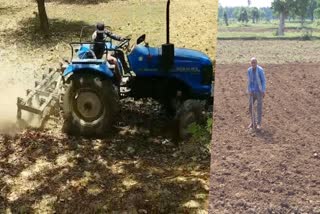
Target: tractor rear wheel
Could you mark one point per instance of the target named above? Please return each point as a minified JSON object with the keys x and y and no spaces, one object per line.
{"x":90,"y":105}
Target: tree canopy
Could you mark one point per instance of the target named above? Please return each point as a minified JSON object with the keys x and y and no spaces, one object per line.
{"x":253,"y":13}
{"x":293,"y":8}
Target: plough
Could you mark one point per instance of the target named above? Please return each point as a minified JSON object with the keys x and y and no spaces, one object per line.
{"x":41,"y":99}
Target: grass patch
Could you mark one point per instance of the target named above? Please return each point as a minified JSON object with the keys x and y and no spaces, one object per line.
{"x":267,"y":31}
{"x":268,"y":51}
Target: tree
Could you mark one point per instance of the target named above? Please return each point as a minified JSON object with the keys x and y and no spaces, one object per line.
{"x":236,"y":13}
{"x":225,"y":18}
{"x":255,"y":14}
{"x":220,"y":12}
{"x":243,"y":17}
{"x":317,"y":10}
{"x":43,"y":18}
{"x":282,"y":7}
{"x":311,"y":9}
{"x":300,"y":9}
{"x":262,"y":15}
{"x":266,"y":13}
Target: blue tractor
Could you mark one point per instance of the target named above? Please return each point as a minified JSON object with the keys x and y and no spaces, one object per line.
{"x":180,"y":79}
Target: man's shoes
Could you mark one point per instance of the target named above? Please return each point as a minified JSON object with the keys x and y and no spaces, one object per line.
{"x":250,"y":126}
{"x":259,"y":127}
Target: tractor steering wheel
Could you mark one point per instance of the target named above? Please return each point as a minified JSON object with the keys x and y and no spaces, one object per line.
{"x":123,"y":44}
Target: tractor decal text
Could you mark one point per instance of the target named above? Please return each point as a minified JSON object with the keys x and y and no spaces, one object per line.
{"x":188,"y":69}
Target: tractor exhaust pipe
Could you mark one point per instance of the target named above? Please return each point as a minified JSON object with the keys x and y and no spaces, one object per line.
{"x":167,"y":57}
{"x":168,"y":22}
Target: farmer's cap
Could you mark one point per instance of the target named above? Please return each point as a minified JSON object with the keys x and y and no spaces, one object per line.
{"x":100,"y":26}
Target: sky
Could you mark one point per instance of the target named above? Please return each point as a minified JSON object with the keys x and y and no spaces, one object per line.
{"x":254,"y":3}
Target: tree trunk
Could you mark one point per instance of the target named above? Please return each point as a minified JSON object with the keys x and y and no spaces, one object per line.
{"x":302,"y":21}
{"x":43,"y":18}
{"x":281,"y":24}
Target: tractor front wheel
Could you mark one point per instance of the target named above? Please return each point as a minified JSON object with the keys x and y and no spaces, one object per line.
{"x":189,"y":112}
{"x":90,"y":105}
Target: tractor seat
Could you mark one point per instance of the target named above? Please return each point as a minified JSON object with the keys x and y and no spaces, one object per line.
{"x":88,"y":61}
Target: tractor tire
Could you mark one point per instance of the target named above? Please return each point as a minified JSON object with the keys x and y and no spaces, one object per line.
{"x":90,"y":106}
{"x":189,"y":112}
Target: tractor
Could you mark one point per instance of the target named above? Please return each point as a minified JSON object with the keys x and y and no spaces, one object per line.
{"x":180,"y":79}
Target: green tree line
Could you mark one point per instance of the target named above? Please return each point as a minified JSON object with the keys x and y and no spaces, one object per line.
{"x":280,"y":9}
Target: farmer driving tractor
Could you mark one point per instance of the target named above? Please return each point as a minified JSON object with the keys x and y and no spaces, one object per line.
{"x":100,"y":35}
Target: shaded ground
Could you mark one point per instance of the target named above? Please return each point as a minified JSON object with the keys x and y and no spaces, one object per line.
{"x":137,"y":168}
{"x":278,"y":169}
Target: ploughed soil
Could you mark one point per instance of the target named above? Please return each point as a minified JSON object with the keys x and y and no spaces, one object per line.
{"x":276,"y":170}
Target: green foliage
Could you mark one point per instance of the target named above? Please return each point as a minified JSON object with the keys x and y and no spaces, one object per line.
{"x":221,"y":12}
{"x":243,"y":17}
{"x":293,"y":7}
{"x":282,"y":6}
{"x":255,"y":14}
{"x":290,"y":7}
{"x":301,"y":8}
{"x":311,"y":8}
{"x":236,"y":12}
{"x":317,"y":12}
{"x":306,"y":35}
{"x":201,"y":133}
{"x":225,"y":18}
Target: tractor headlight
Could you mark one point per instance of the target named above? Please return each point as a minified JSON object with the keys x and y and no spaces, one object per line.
{"x":207,"y":75}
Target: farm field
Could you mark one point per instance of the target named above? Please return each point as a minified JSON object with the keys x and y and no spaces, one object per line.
{"x":268,"y":52}
{"x":277,"y":169}
{"x":137,"y":169}
{"x":267,"y":30}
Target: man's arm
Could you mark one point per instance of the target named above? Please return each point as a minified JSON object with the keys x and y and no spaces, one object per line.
{"x":113,"y":36}
{"x":248,"y":81}
{"x":94,"y":35}
{"x":263,"y":80}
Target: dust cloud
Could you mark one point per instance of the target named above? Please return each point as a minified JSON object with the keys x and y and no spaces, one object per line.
{"x":8,"y":110}
{"x":11,"y":86}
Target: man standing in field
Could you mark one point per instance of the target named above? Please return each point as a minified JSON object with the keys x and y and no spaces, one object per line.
{"x":256,"y":90}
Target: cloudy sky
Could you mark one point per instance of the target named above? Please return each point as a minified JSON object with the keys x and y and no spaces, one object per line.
{"x":254,"y":3}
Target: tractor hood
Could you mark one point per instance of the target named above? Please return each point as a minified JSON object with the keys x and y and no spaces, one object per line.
{"x":142,"y":57}
{"x":188,"y":54}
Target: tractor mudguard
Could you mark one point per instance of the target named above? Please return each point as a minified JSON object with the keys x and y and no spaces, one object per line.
{"x":88,"y":65}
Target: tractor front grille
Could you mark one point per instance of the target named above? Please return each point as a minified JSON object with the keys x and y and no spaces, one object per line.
{"x":207,"y":75}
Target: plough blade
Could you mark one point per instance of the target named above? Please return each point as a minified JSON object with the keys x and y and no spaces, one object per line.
{"x":43,"y":97}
